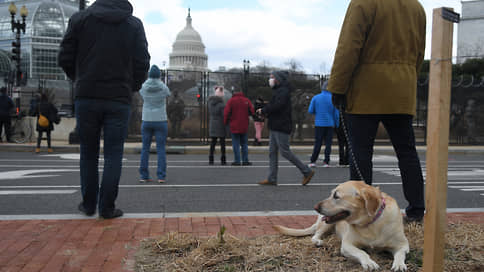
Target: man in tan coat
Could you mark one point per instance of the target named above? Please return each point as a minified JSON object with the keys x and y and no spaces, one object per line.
{"x":374,"y":76}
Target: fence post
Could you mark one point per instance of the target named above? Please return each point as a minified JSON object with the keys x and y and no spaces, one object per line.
{"x":438,"y":139}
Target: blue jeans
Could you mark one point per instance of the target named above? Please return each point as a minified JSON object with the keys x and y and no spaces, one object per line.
{"x":363,"y":128}
{"x":160,"y":130}
{"x":320,"y":134}
{"x":240,"y":140}
{"x":111,"y":117}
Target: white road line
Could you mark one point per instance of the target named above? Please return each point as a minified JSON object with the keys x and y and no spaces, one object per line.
{"x":212,"y":185}
{"x":37,"y":192}
{"x":193,"y":214}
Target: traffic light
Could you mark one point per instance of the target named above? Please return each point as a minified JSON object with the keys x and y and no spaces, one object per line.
{"x":199,"y":95}
{"x":16,"y":51}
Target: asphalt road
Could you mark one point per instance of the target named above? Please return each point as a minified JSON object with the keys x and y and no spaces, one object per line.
{"x":48,"y":185}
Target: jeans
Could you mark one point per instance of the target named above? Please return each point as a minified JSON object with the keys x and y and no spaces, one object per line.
{"x":94,"y":115}
{"x":259,"y":126}
{"x":280,"y":141}
{"x":320,"y":134}
{"x":239,"y":140}
{"x":160,"y":130}
{"x":363,"y":128}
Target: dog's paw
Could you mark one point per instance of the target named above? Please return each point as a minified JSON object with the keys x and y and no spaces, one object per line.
{"x":370,"y":265}
{"x":399,"y":267}
{"x":317,"y":242}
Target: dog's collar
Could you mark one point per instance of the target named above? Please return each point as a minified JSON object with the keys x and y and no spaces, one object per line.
{"x":379,"y":212}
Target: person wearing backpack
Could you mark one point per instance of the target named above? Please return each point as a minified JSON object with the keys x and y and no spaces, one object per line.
{"x":45,"y":121}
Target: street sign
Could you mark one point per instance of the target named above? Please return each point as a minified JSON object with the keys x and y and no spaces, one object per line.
{"x":450,"y":15}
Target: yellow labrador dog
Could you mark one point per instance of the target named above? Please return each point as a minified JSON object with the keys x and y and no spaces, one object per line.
{"x":364,"y":217}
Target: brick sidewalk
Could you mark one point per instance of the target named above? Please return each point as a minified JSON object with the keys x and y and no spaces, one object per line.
{"x":109,"y":245}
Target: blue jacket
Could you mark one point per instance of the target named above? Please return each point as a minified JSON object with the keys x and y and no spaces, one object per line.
{"x":154,"y":93}
{"x":326,"y":115}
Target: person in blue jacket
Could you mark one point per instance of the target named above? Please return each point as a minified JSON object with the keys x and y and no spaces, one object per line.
{"x":326,"y":117}
{"x":154,"y":93}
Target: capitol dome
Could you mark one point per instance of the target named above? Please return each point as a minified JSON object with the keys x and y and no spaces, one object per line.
{"x":188,"y":50}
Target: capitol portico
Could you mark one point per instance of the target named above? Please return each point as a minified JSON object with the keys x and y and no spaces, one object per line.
{"x":188,"y":50}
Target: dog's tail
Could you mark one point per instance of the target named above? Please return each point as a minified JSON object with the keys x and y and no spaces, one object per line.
{"x":297,"y":232}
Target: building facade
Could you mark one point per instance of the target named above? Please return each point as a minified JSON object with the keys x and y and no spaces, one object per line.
{"x":188,"y":50}
{"x":46,"y":24}
{"x":470,"y":35}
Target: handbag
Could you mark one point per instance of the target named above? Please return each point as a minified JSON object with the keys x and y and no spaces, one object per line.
{"x":43,"y":121}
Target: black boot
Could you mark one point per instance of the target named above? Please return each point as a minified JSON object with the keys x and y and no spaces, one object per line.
{"x":210,"y":160}
{"x":223,"y":160}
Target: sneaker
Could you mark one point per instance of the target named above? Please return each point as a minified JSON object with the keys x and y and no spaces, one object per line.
{"x":266,"y":182}
{"x":50,"y":150}
{"x":37,"y":150}
{"x":113,"y":214}
{"x":325,"y":164}
{"x":145,"y":180}
{"x":236,"y":164}
{"x":81,"y":208}
{"x":246,"y":163}
{"x":307,"y":178}
{"x":161,"y":181}
{"x":312,"y":165}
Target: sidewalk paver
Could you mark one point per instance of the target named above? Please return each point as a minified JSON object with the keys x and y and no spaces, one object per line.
{"x":110,"y":245}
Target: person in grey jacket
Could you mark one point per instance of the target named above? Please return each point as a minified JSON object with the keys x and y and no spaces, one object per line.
{"x":216,"y":126}
{"x":154,"y":93}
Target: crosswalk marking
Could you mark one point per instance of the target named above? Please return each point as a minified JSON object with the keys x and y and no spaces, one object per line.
{"x":36,"y":192}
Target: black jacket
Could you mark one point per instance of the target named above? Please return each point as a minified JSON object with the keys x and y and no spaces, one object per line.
{"x":259,"y":104}
{"x":6,"y":105}
{"x":278,"y":111}
{"x":105,"y":51}
{"x":48,"y":110}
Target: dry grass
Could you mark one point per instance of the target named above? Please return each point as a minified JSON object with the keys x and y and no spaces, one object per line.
{"x":464,"y":251}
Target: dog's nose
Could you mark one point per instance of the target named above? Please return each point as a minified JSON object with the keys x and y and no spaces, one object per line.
{"x":316,"y":207}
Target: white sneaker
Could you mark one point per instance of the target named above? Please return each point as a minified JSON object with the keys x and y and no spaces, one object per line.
{"x":325,"y":164}
{"x":312,"y":165}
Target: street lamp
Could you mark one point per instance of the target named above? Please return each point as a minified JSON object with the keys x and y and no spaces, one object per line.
{"x":17,"y":27}
{"x":246,"y":76}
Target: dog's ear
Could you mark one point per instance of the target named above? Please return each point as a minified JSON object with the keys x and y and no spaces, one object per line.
{"x":372,"y":200}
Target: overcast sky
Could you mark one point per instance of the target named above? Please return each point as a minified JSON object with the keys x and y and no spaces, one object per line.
{"x":274,"y":31}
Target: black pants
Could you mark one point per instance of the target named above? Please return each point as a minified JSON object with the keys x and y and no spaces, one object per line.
{"x":39,"y":138}
{"x":363,"y":128}
{"x":222,"y":146}
{"x":5,"y":123}
{"x":342,"y":145}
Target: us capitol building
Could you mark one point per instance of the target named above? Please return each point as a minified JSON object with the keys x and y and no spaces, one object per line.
{"x":188,"y":50}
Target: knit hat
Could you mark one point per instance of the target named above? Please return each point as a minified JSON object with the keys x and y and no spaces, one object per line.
{"x":219,"y":91}
{"x":154,"y":72}
{"x":280,"y":76}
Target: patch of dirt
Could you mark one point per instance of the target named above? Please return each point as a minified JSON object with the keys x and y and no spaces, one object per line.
{"x":464,"y":251}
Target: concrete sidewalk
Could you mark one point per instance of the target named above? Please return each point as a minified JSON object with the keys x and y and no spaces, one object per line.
{"x":110,"y":245}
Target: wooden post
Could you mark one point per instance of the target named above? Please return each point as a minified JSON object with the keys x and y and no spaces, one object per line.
{"x":435,"y":222}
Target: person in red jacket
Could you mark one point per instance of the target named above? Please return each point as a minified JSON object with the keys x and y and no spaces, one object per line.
{"x":236,"y":114}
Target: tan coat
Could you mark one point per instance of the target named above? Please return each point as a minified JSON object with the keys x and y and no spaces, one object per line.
{"x":380,"y":50}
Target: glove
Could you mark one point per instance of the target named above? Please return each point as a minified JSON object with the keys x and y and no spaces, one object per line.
{"x":339,"y":101}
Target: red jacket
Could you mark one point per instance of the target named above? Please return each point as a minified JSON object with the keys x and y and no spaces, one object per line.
{"x":236,"y":113}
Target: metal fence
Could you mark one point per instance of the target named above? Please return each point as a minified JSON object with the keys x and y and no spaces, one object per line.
{"x":187,"y":107}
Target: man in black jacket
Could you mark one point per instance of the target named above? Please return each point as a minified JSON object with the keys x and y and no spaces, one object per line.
{"x":278,"y":112}
{"x":105,"y":53}
{"x":6,"y":106}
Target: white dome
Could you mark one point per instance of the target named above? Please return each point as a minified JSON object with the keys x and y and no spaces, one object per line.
{"x":188,"y":50}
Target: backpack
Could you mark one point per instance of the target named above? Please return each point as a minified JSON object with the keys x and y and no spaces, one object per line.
{"x":43,"y":121}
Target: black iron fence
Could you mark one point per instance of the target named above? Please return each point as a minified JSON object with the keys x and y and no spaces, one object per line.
{"x":187,"y":106}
